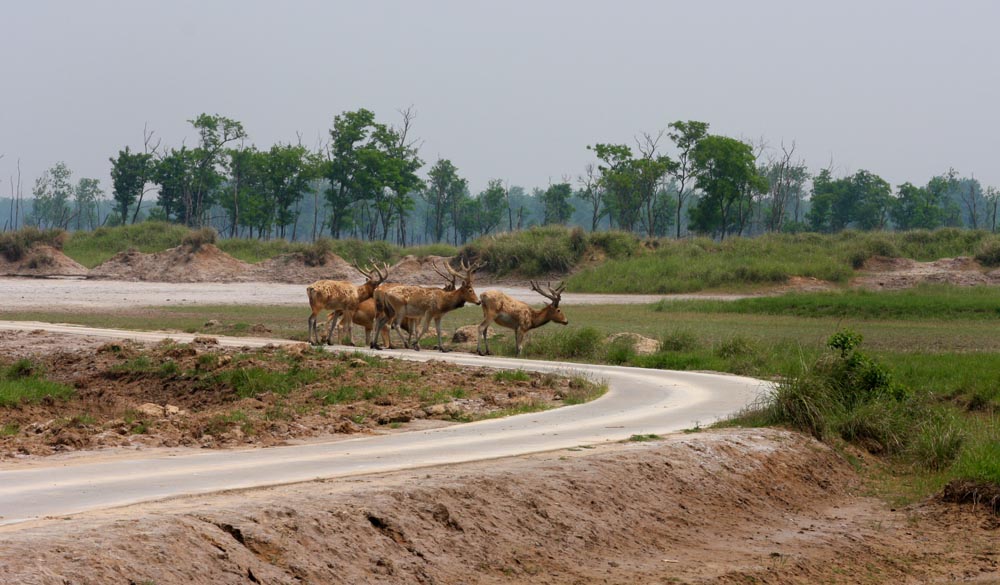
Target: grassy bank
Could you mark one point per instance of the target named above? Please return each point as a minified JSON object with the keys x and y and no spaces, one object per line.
{"x":677,"y":266}
{"x":92,"y":248}
{"x":600,"y":262}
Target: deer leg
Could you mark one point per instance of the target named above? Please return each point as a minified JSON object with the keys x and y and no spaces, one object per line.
{"x":518,"y":340}
{"x":426,"y":322}
{"x":333,"y":327}
{"x":380,"y":323}
{"x":437,"y":324}
{"x":348,"y":320}
{"x":481,"y":333}
{"x":312,"y":329}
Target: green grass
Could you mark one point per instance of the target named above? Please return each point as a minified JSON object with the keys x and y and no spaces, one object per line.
{"x":31,"y":390}
{"x":920,"y":303}
{"x":15,"y":246}
{"x":341,"y":395}
{"x":542,"y":250}
{"x":644,"y":438}
{"x":254,"y":381}
{"x":23,"y":382}
{"x":92,"y":248}
{"x":737,"y":264}
{"x":511,"y":376}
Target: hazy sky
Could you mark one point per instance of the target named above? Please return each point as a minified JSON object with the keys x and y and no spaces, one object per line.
{"x":514,"y":90}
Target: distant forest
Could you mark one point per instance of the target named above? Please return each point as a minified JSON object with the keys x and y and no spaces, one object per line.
{"x":368,"y":181}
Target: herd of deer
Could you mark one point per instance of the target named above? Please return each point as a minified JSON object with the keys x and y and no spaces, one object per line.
{"x":377,"y":304}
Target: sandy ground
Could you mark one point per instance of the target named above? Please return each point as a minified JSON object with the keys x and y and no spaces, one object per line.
{"x":18,"y":294}
{"x":733,"y":506}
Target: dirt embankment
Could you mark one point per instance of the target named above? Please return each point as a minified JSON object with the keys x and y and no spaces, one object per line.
{"x":128,"y":395}
{"x":41,"y":261}
{"x":735,"y":506}
{"x":880,"y":272}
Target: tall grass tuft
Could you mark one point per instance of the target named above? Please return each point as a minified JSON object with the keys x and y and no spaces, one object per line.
{"x":14,"y":246}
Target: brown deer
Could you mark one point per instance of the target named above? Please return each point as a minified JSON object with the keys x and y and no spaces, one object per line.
{"x":367,"y":315}
{"x":513,"y":314}
{"x":425,"y":303}
{"x":342,"y":298}
{"x":409,"y":324}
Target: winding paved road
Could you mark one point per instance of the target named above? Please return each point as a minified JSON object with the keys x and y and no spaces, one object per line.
{"x":639,"y":401}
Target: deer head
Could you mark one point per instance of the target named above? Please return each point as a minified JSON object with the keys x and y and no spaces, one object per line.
{"x":553,"y":312}
{"x":466,"y":293}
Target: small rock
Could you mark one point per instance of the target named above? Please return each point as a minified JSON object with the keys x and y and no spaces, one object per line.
{"x":357,"y":363}
{"x":205,"y":340}
{"x":172,"y":410}
{"x":435,"y":409}
{"x":150,"y":409}
{"x":213,"y":323}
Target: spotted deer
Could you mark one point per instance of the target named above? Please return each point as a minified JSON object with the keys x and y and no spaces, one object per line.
{"x":511,"y":313}
{"x":342,"y":298}
{"x":425,"y":303}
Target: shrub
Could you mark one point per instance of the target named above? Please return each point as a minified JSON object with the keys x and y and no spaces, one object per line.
{"x":14,"y":246}
{"x":679,"y":340}
{"x":989,"y":252}
{"x":315,"y":255}
{"x":200,"y":237}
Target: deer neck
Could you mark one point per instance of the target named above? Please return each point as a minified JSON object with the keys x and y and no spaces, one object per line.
{"x":541,"y":316}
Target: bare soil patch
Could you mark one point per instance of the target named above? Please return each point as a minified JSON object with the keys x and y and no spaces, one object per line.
{"x":299,"y":269}
{"x":733,"y":506}
{"x":42,"y":261}
{"x":180,"y":264}
{"x":884,"y":273}
{"x":202,"y":395}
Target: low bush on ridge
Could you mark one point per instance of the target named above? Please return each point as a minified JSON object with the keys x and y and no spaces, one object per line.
{"x":849,"y":396}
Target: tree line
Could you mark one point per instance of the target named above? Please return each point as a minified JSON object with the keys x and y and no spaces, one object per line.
{"x":364,"y":181}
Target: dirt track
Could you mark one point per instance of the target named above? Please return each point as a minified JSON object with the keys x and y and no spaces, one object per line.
{"x":56,"y":294}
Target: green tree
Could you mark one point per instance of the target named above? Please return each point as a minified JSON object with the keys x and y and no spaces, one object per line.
{"x":555,"y":201}
{"x":727,"y":172}
{"x":649,"y":171}
{"x":443,"y":186}
{"x":286,"y":174}
{"x":492,"y":204}
{"x":686,"y":136}
{"x":916,"y":207}
{"x":873,"y":195}
{"x":353,"y":167}
{"x":399,"y":171}
{"x":618,"y":178}
{"x":129,"y":174}
{"x":87,"y":194}
{"x":52,"y":193}
{"x":214,"y":134}
{"x":592,"y":191}
{"x":173,"y":173}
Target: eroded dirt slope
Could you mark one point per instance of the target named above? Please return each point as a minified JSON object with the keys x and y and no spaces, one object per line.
{"x":734,"y":506}
{"x":130,"y":395}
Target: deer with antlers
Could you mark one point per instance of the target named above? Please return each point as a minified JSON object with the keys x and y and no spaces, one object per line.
{"x":342,"y":298}
{"x":405,"y":302}
{"x":511,"y":313}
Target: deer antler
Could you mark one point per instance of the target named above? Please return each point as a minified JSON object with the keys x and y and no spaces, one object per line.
{"x":450,"y":278}
{"x":376,"y":273}
{"x":553,"y":295}
{"x":466,"y":268}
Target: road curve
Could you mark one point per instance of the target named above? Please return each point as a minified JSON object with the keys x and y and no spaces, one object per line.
{"x":639,"y":401}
